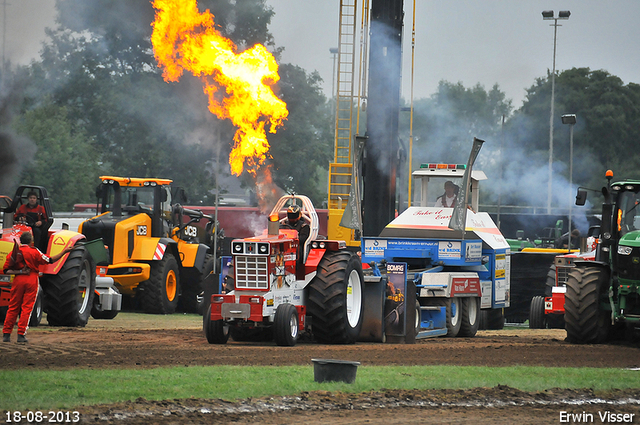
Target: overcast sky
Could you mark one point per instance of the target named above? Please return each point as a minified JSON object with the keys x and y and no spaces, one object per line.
{"x":468,"y":41}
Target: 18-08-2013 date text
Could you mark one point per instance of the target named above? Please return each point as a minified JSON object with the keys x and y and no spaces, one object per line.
{"x":38,"y":416}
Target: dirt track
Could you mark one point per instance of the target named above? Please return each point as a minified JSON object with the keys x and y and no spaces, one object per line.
{"x":142,"y":341}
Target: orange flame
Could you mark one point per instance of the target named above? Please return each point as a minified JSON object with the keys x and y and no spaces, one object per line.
{"x":185,"y":39}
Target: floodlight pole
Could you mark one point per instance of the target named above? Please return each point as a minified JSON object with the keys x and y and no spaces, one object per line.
{"x":549,"y":15}
{"x":571,"y":120}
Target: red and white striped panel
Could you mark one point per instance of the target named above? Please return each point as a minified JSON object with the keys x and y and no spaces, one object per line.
{"x":160,"y":249}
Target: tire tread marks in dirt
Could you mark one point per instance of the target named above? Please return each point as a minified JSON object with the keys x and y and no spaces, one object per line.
{"x":585,"y":320}
{"x":536,"y":313}
{"x":327,"y":303}
{"x":61,"y":291}
{"x":153,"y":296}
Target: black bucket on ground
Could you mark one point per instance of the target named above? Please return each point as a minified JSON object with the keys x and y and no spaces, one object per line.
{"x":325,"y":370}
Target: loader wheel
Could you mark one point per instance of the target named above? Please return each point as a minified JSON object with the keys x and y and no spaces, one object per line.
{"x":585,"y":319}
{"x":470,"y":316}
{"x":216,"y":331}
{"x":159,"y":294}
{"x":335,"y":298}
{"x":98,"y":313}
{"x":536,"y":313}
{"x":36,"y":313}
{"x":192,"y":298}
{"x":285,"y":325}
{"x":68,"y":295}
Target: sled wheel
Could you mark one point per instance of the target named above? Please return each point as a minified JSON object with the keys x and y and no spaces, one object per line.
{"x":470,"y":317}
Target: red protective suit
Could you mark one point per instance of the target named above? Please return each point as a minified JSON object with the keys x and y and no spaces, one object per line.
{"x":24,"y":290}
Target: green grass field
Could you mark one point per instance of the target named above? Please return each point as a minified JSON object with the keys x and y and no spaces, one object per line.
{"x":41,"y":389}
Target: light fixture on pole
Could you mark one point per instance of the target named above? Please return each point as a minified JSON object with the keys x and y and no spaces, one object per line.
{"x":334,"y":52}
{"x":549,"y":15}
{"x":570,"y":119}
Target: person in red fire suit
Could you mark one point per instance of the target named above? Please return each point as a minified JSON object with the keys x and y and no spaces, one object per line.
{"x":24,"y":289}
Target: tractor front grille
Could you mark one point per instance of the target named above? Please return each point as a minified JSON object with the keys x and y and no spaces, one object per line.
{"x":629,"y":265}
{"x":251,"y":272}
{"x":563,"y":275}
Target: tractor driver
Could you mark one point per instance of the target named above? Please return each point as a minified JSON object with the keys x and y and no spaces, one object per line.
{"x":448,"y":198}
{"x":295,"y":221}
{"x":33,"y":215}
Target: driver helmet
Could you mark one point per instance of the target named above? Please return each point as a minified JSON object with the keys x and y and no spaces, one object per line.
{"x":293,"y":213}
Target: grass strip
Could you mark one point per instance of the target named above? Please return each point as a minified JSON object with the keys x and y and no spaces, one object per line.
{"x":66,"y":389}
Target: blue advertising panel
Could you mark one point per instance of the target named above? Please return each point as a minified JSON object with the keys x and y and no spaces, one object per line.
{"x":395,"y":299}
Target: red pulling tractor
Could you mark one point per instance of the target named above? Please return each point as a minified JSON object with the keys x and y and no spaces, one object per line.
{"x":282,"y":290}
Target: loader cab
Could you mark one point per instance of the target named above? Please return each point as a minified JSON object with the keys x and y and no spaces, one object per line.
{"x":123,"y":197}
{"x":429,"y":182}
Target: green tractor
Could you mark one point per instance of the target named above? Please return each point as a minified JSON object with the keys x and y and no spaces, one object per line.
{"x":603,"y":295}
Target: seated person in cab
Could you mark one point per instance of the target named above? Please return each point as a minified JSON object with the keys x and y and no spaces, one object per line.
{"x":295,"y":221}
{"x":33,"y":215}
{"x":448,"y":198}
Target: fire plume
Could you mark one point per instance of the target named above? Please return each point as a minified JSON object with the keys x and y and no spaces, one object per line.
{"x":238,"y":85}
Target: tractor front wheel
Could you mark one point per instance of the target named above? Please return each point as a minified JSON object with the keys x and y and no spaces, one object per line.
{"x":98,"y":313}
{"x":68,"y":295}
{"x":285,"y":325}
{"x":585,"y":318}
{"x":536,"y":313}
{"x":159,"y":294}
{"x":216,"y":331}
{"x":336,"y":298}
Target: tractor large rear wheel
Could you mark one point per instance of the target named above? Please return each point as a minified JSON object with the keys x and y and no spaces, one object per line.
{"x":551,"y":281}
{"x":336,"y":298}
{"x":36,"y":313}
{"x":586,"y":320}
{"x":68,"y":295}
{"x":159,"y":294}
